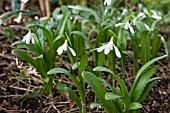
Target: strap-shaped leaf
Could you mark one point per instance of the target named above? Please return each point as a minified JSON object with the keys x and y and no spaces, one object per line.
{"x":25,"y":56}
{"x":99,"y":90}
{"x":142,"y":81}
{"x":143,"y":68}
{"x":62,"y":24}
{"x":84,"y":37}
{"x":147,"y":89}
{"x":94,"y":105}
{"x":123,"y":86}
{"x":112,"y":96}
{"x":74,"y":97}
{"x":72,"y":77}
{"x":134,"y":106}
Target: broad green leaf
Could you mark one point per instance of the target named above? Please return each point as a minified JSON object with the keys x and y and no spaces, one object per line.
{"x":134,"y":106}
{"x":74,"y":97}
{"x":145,"y":47}
{"x":82,"y":8}
{"x":96,"y":85}
{"x":84,"y":37}
{"x":62,"y":24}
{"x":123,"y":86}
{"x":25,"y":56}
{"x":146,"y":90}
{"x":143,"y":68}
{"x":112,"y":96}
{"x":98,"y":88}
{"x":106,"y":83}
{"x":155,"y":43}
{"x":75,"y":65}
{"x":141,"y":26}
{"x":142,"y":81}
{"x":46,"y":79}
{"x":94,"y":105}
{"x":72,"y":77}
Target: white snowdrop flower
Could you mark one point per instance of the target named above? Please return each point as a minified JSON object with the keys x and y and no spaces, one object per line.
{"x":24,"y":1}
{"x":28,"y":37}
{"x":18,"y":19}
{"x":108,"y":47}
{"x":107,"y":2}
{"x":64,"y":47}
{"x":155,"y":15}
{"x":126,"y":26}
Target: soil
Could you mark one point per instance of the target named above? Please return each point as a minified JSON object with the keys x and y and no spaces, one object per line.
{"x":21,"y":89}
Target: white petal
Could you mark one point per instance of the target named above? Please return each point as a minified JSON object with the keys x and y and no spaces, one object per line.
{"x":140,"y":15}
{"x":32,"y":40}
{"x":24,"y":1}
{"x":107,"y":2}
{"x":108,"y":47}
{"x":27,"y":38}
{"x":119,"y":24}
{"x":131,"y":29}
{"x":18,"y":19}
{"x":65,"y":46}
{"x":60,"y":50}
{"x":72,"y":51}
{"x":117,"y":51}
{"x":126,"y":25}
{"x":147,"y":27}
{"x":101,"y":48}
{"x":156,"y":17}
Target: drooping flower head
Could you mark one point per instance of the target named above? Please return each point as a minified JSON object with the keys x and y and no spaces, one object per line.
{"x":24,"y":1}
{"x":64,"y":47}
{"x":107,"y":2}
{"x":126,"y":26}
{"x":108,"y":47}
{"x":28,"y":37}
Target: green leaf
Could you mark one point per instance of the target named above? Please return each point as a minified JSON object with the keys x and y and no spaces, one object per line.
{"x":99,"y":90}
{"x":62,"y":24}
{"x":142,"y":81}
{"x":82,"y":8}
{"x":74,"y":97}
{"x":145,"y":47}
{"x":25,"y":56}
{"x":75,"y":65}
{"x":112,"y":96}
{"x":46,"y":79}
{"x":96,"y":85}
{"x":155,"y":45}
{"x":143,"y":68}
{"x":140,"y":26}
{"x":147,"y":89}
{"x":134,"y":105}
{"x":123,"y":86}
{"x":84,"y":37}
{"x":94,"y":105}
{"x":72,"y":77}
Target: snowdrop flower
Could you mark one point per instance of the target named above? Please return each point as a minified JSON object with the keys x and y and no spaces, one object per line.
{"x":24,"y":1}
{"x":28,"y":37}
{"x":109,"y":46}
{"x":155,"y":15}
{"x":126,"y":26}
{"x":64,"y":47}
{"x":18,"y":19}
{"x":107,"y":2}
